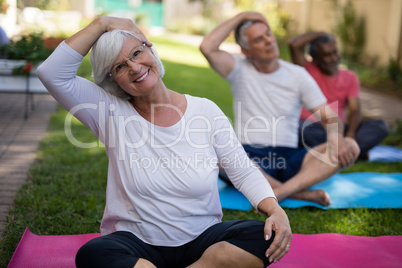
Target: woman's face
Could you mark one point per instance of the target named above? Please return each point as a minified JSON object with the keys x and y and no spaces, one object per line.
{"x":136,"y":70}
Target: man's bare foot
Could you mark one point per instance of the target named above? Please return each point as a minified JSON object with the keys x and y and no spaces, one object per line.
{"x":317,"y":196}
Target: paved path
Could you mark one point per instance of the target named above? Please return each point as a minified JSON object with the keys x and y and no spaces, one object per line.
{"x":19,"y":140}
{"x":377,"y":105}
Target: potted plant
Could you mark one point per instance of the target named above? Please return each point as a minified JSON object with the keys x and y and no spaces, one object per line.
{"x":30,"y":48}
{"x":21,"y":59}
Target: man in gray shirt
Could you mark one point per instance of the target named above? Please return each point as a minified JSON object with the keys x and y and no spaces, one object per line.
{"x":268,"y":96}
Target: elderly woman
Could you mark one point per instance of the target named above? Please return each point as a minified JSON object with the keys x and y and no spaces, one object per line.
{"x":162,"y":201}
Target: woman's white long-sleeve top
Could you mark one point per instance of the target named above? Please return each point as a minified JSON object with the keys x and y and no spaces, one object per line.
{"x":162,"y":181}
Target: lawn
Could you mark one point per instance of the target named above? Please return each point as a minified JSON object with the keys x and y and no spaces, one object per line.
{"x":66,"y":192}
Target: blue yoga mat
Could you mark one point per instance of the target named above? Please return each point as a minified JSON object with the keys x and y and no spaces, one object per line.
{"x":349,"y":190}
{"x":231,"y":198}
{"x":363,"y":189}
{"x":382,"y":153}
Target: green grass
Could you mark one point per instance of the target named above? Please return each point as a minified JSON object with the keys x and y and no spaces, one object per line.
{"x":66,"y":192}
{"x":188,"y":72}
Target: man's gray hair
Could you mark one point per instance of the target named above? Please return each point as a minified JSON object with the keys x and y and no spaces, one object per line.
{"x":240,"y":38}
{"x":104,"y":53}
{"x":313,"y":46}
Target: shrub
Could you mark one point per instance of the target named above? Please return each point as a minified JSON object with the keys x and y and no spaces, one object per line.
{"x":30,"y":48}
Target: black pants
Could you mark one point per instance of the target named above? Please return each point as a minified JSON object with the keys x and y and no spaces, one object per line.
{"x":369,"y":134}
{"x":123,"y":249}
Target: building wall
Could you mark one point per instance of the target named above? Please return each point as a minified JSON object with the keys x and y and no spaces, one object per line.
{"x":322,"y":13}
{"x":181,"y":9}
{"x":87,"y":7}
{"x":377,"y":15}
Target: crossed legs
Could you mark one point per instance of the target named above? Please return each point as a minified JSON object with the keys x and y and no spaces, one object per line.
{"x":315,"y":168}
{"x":224,"y":254}
{"x":219,"y":255}
{"x":312,"y":171}
{"x":238,"y":243}
{"x":369,"y":134}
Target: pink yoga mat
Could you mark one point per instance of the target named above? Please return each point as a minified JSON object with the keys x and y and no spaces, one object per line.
{"x":318,"y":250}
{"x":344,"y":251}
{"x":57,"y":251}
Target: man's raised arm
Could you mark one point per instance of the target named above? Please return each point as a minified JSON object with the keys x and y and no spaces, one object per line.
{"x":297,"y":46}
{"x":221,"y":61}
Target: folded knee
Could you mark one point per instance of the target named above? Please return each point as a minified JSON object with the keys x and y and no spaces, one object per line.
{"x":224,"y":254}
{"x":103,"y":254}
{"x":87,"y":255}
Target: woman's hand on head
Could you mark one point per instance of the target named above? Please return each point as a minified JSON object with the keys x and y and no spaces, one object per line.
{"x":83,"y":40}
{"x":115,"y":23}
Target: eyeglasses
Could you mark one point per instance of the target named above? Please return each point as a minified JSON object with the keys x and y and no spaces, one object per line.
{"x":122,"y":67}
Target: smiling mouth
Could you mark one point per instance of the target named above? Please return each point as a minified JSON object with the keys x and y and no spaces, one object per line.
{"x":139,"y":79}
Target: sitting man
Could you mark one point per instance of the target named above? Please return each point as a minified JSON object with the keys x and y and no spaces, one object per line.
{"x":268,"y":97}
{"x":340,"y":87}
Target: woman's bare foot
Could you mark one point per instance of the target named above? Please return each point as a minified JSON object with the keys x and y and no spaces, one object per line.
{"x":317,"y":196}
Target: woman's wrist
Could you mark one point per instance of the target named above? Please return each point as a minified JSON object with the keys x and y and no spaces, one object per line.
{"x":99,"y":25}
{"x":268,"y":206}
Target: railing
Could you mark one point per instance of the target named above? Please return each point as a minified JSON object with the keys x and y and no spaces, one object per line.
{"x":28,"y":84}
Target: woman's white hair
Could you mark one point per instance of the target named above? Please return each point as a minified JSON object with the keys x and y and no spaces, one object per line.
{"x":104,"y":53}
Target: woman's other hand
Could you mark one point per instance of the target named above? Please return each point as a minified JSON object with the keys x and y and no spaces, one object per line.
{"x":278,"y":222}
